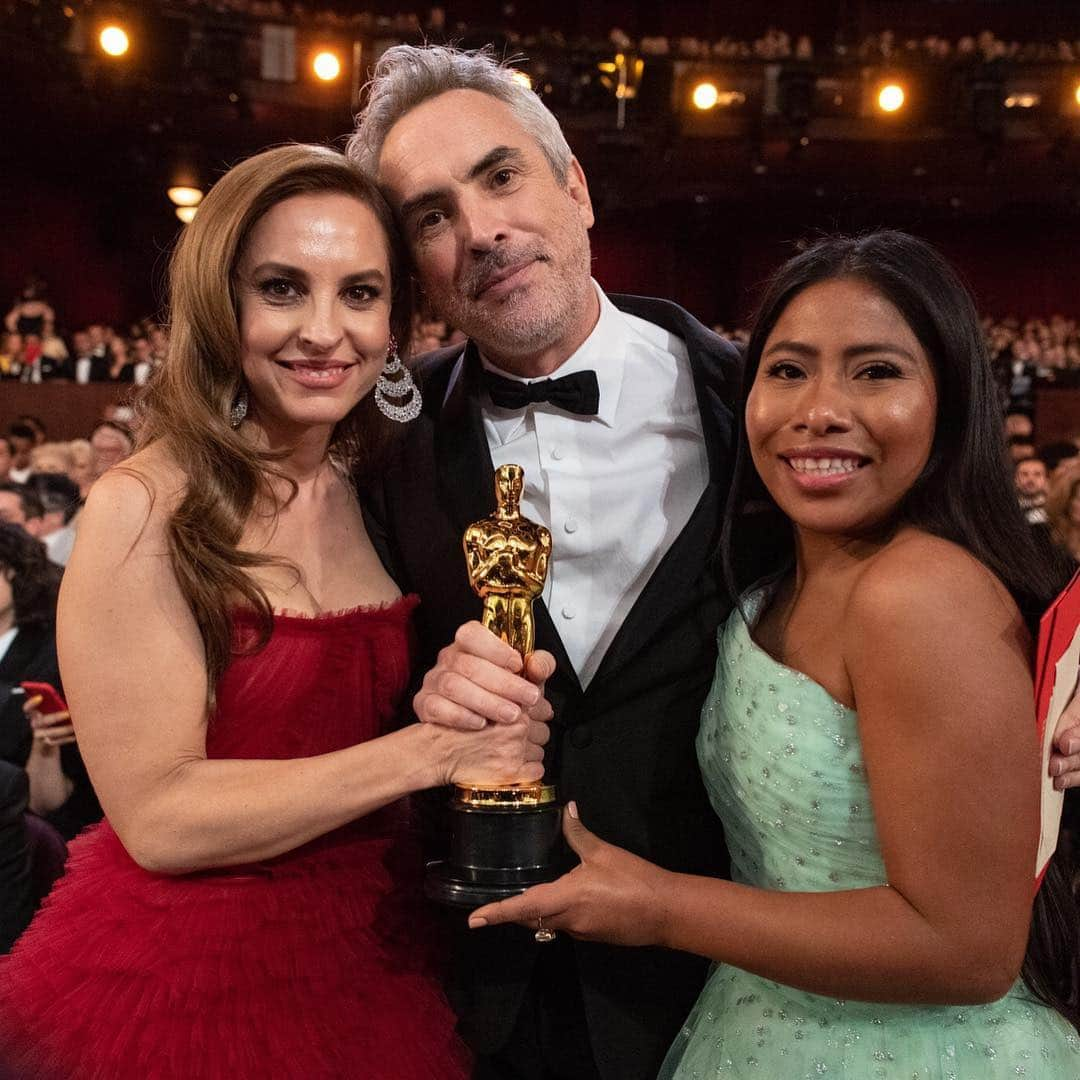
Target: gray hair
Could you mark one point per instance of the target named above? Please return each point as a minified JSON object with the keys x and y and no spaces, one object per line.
{"x":407,"y":75}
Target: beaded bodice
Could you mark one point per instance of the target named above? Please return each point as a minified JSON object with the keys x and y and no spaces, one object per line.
{"x":783,"y":767}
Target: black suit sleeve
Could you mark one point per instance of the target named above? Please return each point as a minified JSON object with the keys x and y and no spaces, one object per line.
{"x":16,"y":881}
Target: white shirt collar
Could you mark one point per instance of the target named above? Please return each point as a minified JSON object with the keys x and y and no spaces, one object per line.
{"x":6,"y":639}
{"x":603,"y":351}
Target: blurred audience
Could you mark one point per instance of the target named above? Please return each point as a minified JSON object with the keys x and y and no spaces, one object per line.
{"x":110,"y":442}
{"x":1030,"y":478}
{"x":43,"y":745}
{"x":19,"y":505}
{"x":1063,"y":508}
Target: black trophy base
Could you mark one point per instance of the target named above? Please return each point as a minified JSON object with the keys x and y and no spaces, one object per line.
{"x":495,"y":852}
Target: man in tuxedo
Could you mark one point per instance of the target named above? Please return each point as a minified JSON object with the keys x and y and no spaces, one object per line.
{"x":91,"y":363}
{"x":622,"y":412}
{"x":627,"y":456}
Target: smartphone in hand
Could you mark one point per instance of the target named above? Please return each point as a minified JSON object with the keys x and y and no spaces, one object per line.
{"x":51,"y":701}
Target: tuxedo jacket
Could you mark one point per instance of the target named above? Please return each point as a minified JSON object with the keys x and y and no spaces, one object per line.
{"x":17,"y":895}
{"x":624,"y":747}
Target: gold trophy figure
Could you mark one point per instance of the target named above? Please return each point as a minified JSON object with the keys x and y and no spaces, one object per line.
{"x":507,"y":557}
{"x":502,"y":837}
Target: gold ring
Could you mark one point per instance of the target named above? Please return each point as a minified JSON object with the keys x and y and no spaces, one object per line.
{"x":543,"y":934}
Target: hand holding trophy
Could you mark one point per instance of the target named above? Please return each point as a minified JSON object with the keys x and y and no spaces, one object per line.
{"x":502,"y":838}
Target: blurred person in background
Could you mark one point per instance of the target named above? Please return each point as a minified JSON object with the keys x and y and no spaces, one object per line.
{"x":120,"y":366}
{"x":51,"y":457}
{"x":90,"y":364}
{"x":111,"y":442}
{"x":1063,"y":508}
{"x":82,"y":464}
{"x":43,"y":744}
{"x":143,"y":361}
{"x":31,"y":313}
{"x":1030,"y":480}
{"x":1058,"y":455}
{"x":7,"y":455}
{"x":20,"y":506}
{"x":17,"y":899}
{"x":60,"y":503}
{"x":11,"y":349}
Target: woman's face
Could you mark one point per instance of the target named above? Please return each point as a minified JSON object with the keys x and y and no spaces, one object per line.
{"x":314,"y":294}
{"x":841,"y":415}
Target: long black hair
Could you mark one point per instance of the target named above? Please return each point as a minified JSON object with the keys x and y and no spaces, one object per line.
{"x":35,"y":581}
{"x":964,"y":494}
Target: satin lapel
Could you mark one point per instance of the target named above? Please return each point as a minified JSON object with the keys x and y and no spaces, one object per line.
{"x":681,"y":567}
{"x":466,"y":483}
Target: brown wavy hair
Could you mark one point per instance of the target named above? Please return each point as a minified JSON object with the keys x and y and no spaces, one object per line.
{"x":188,"y":401}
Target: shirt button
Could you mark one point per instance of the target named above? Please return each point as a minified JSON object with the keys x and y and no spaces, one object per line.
{"x":556,"y":453}
{"x":568,"y":612}
{"x":571,"y":525}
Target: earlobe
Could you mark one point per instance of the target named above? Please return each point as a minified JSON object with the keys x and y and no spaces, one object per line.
{"x":578,"y":189}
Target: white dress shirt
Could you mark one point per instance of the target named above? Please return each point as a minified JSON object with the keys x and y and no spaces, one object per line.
{"x":615,"y":489}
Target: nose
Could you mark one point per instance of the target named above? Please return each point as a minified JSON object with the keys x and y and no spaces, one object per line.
{"x":321,"y":328}
{"x":482,"y":227}
{"x":824,"y":408}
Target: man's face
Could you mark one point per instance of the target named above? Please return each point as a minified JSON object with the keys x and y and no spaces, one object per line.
{"x":12,"y":513}
{"x":1030,"y":477}
{"x":21,"y":446}
{"x":501,"y":247}
{"x":81,"y":340}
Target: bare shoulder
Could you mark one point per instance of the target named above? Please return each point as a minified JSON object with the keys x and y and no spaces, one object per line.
{"x":919,"y":580}
{"x":129,"y":507}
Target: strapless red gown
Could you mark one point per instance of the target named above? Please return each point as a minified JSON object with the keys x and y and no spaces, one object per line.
{"x":314,"y":965}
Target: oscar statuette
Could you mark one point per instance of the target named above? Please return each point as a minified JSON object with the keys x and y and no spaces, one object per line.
{"x":502,"y":838}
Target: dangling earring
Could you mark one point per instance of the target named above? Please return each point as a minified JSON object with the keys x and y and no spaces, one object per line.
{"x":386,"y":389}
{"x":239,"y":407}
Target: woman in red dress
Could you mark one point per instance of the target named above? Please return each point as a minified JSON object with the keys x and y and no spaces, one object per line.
{"x":234,"y":652}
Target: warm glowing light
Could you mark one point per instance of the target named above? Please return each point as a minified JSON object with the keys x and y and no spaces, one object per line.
{"x":1076,"y":93}
{"x":326,"y":66}
{"x":186,"y":213}
{"x":114,"y":40}
{"x":891,"y":98}
{"x":1022,"y":101}
{"x":522,"y":77}
{"x":705,"y":96}
{"x":185,"y":196}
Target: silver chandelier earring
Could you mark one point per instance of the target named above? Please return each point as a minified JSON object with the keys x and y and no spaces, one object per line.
{"x":239,"y":407}
{"x":401,"y":385}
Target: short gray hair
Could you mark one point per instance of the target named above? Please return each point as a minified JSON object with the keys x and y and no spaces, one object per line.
{"x":407,"y":75}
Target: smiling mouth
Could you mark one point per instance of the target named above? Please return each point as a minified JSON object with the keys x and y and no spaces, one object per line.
{"x":315,"y":370}
{"x":826,"y":466}
{"x":501,"y":276}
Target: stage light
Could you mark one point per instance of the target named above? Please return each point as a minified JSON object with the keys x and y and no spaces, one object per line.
{"x":1076,"y":94}
{"x":181,"y":195}
{"x":114,"y":40}
{"x":186,"y":213}
{"x":705,"y":96}
{"x":891,"y":98}
{"x":326,"y":66}
{"x":522,"y":77}
{"x":1022,"y":101}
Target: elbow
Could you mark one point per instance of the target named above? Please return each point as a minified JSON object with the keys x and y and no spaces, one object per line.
{"x":985,"y":975}
{"x":153,"y":854}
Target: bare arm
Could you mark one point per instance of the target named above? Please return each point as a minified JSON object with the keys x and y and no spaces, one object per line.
{"x":134,"y":674}
{"x":937,"y":660}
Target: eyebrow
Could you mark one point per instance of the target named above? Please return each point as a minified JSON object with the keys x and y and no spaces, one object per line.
{"x":284,"y":270}
{"x":496,"y":156}
{"x":852,"y":352}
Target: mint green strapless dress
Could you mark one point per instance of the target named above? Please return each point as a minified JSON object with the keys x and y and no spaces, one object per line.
{"x":784,"y":770}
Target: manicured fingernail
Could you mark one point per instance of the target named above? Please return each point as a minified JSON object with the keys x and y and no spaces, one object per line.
{"x":1072,"y":746}
{"x":571,"y":809}
{"x":509,"y":713}
{"x":476,"y":922}
{"x":1057,"y":768}
{"x":534,"y":696}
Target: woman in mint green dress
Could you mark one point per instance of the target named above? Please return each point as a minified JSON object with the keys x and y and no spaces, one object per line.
{"x":869,"y":740}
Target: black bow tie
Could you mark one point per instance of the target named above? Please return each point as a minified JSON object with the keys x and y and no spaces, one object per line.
{"x":578,"y":393}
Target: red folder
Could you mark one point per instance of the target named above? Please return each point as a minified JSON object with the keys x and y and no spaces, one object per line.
{"x":1057,"y":665}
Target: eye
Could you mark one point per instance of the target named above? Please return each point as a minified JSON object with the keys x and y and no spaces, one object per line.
{"x":502,"y":177}
{"x":361,"y":294}
{"x":785,"y":370}
{"x":430,"y":220}
{"x":278,"y":290}
{"x":880,"y":369}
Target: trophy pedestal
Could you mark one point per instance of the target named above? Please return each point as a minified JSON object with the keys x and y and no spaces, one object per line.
{"x":502,"y":840}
